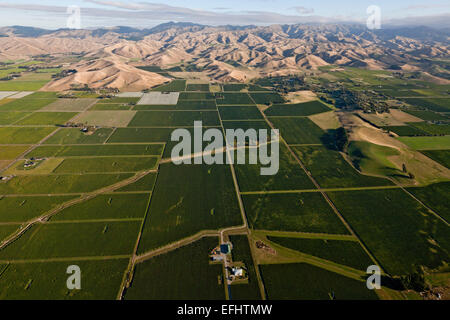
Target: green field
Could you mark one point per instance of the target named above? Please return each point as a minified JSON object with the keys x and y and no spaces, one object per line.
{"x":434,"y":104}
{"x":57,"y":240}
{"x":57,"y":184}
{"x":331,"y":170}
{"x":47,"y":280}
{"x":266,"y":97}
{"x":235,"y":98}
{"x":47,"y":118}
{"x":299,"y":109}
{"x":23,"y":135}
{"x":18,"y":85}
{"x":27,"y":104}
{"x":298,"y":130}
{"x":9,"y":117}
{"x":197,"y":87}
{"x":173,"y":118}
{"x":302,"y":212}
{"x":441,"y":156}
{"x":427,"y":143}
{"x":107,"y":206}
{"x":390,"y":223}
{"x":97,"y":150}
{"x":290,"y":175}
{"x":75,"y":136}
{"x":240,"y":113}
{"x":174,"y":86}
{"x":435,"y":196}
{"x":6,"y":230}
{"x":181,"y":105}
{"x":301,"y":281}
{"x":175,"y":211}
{"x":406,"y":131}
{"x":22,"y":209}
{"x":184,"y":273}
{"x":432,"y":129}
{"x":236,"y":87}
{"x":241,"y":253}
{"x":106,"y":164}
{"x":141,"y":135}
{"x":196,"y":96}
{"x":427,"y":115}
{"x":144,"y":184}
{"x":348,"y":253}
{"x":12,"y":152}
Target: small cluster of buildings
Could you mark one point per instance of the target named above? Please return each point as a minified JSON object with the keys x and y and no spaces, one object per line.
{"x":33,"y":162}
{"x":234,"y":271}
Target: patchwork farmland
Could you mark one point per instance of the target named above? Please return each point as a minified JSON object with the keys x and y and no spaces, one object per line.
{"x":88,"y":181}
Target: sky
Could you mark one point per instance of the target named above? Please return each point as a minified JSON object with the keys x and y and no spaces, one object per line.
{"x":52,"y":14}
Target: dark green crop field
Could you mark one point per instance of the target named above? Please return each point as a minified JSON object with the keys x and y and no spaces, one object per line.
{"x":174,"y":86}
{"x":331,"y":170}
{"x":141,"y":135}
{"x":235,"y":98}
{"x":184,"y":273}
{"x":435,"y":196}
{"x":58,"y":240}
{"x":266,"y":97}
{"x":390,"y":223}
{"x":107,"y":164}
{"x":290,"y":175}
{"x":47,"y":280}
{"x":349,"y":253}
{"x":173,"y":118}
{"x":302,"y":212}
{"x":240,"y":113}
{"x":107,"y":206}
{"x":175,"y":211}
{"x":97,"y":150}
{"x":301,"y":281}
{"x":406,"y":131}
{"x":197,"y":87}
{"x":298,"y":130}
{"x":241,"y":253}
{"x":21,"y":209}
{"x":441,"y":156}
{"x":57,"y":184}
{"x":144,"y":184}
{"x":299,"y":109}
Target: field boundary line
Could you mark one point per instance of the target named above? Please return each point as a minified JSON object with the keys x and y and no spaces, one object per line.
{"x":63,"y":259}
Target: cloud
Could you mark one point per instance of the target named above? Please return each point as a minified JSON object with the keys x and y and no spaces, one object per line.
{"x":303,"y":10}
{"x":427,"y":6}
{"x":143,"y":15}
{"x":148,"y":12}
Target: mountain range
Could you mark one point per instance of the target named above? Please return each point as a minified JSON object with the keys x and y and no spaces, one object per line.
{"x":110,"y":56}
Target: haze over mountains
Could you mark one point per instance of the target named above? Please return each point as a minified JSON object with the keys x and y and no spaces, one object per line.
{"x":223,"y":53}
